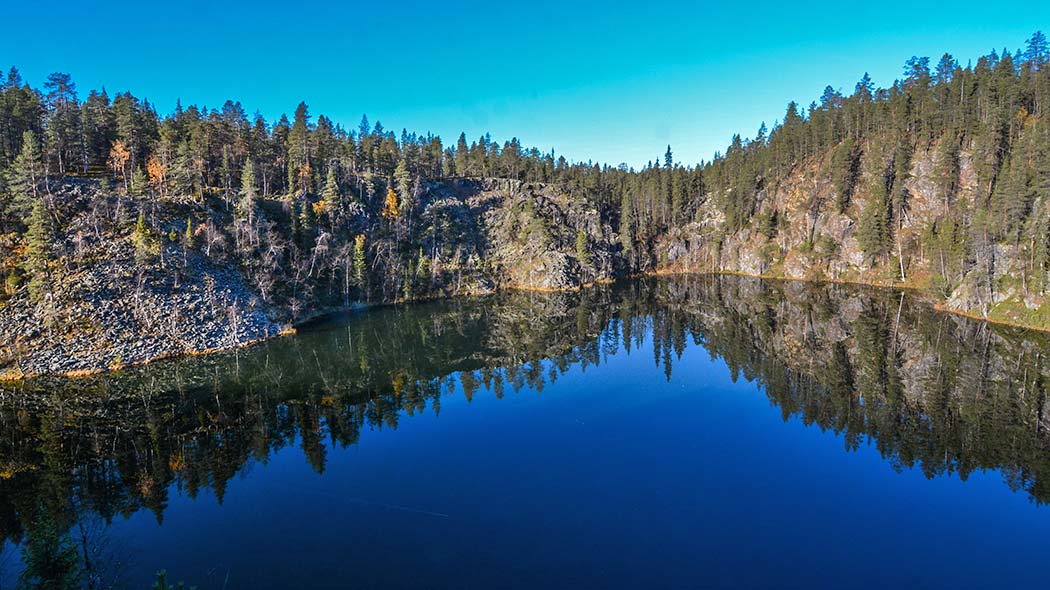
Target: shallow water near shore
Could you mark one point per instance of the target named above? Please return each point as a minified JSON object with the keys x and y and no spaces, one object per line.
{"x":691,"y":431}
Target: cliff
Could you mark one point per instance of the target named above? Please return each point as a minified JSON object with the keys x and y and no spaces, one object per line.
{"x":800,"y":230}
{"x":119,"y":296}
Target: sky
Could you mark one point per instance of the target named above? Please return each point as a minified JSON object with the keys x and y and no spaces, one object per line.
{"x":608,"y":82}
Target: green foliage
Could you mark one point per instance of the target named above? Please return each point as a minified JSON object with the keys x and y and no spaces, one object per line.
{"x":40,"y":238}
{"x":23,"y":180}
{"x":626,"y":223}
{"x":360,"y":266}
{"x":767,"y":223}
{"x":583,"y":253}
{"x":12,"y":282}
{"x":403,"y":184}
{"x":139,"y":182}
{"x":249,"y":194}
{"x":331,"y":194}
{"x":873,"y":233}
{"x":146,"y":244}
{"x":845,"y":169}
{"x":50,"y":557}
{"x":188,"y":237}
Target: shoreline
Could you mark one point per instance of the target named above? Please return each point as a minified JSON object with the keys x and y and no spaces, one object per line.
{"x":14,"y":376}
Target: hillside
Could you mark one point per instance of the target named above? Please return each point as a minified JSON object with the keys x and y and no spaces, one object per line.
{"x":127,"y":236}
{"x":121,"y":295}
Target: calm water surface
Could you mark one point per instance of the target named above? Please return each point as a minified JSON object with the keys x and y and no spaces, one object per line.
{"x":687,"y":432}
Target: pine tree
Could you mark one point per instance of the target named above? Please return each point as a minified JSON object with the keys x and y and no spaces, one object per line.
{"x":308,"y":218}
{"x":462,"y":155}
{"x":188,"y":236}
{"x":298,"y":150}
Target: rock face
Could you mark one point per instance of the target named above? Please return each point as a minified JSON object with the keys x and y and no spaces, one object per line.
{"x":814,"y":240}
{"x":530,"y":237}
{"x":113,"y":312}
{"x":108,"y":309}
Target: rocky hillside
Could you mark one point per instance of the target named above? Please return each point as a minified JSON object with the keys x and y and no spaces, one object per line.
{"x":799,"y":230}
{"x":119,"y":296}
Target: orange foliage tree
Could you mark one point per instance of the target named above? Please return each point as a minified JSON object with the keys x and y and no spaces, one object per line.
{"x":157,"y":174}
{"x":390,"y":207}
{"x":118,"y":160}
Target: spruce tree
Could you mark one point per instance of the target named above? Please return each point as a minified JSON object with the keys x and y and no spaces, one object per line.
{"x":331,"y":194}
{"x":845,"y":168}
{"x":23,"y":179}
{"x":403,"y":182}
{"x":39,"y":251}
{"x":143,"y":240}
{"x":139,"y":182}
{"x":872,"y":229}
{"x":247,"y":203}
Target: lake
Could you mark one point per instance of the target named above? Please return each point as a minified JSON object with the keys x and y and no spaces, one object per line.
{"x":683,"y":432}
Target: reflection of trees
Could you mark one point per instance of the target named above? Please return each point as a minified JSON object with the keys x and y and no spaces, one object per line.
{"x":937,"y":392}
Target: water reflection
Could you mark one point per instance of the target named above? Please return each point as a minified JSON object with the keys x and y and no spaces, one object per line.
{"x":940,"y":393}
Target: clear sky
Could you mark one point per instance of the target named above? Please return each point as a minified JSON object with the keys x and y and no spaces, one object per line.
{"x":604,"y":81}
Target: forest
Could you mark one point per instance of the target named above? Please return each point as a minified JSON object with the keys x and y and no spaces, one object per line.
{"x":939,"y":181}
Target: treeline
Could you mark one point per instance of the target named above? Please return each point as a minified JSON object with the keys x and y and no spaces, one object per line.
{"x":197,"y":151}
{"x":304,"y":205}
{"x":300,"y":190}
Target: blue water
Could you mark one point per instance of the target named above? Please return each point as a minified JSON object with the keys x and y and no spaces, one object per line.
{"x":612,"y":476}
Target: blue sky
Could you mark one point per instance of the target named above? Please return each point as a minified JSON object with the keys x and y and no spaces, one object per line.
{"x":609,"y":82}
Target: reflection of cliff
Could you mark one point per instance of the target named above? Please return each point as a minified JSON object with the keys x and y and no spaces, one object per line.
{"x":929,"y":390}
{"x":118,"y":442}
{"x":934,"y":391}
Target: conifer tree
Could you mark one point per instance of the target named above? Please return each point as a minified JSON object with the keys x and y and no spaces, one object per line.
{"x":139,"y":182}
{"x":143,"y":240}
{"x":331,"y":194}
{"x":40,"y":237}
{"x":872,"y":229}
{"x":249,"y":195}
{"x":461,"y":155}
{"x":403,"y":182}
{"x":23,"y":180}
{"x":845,"y":168}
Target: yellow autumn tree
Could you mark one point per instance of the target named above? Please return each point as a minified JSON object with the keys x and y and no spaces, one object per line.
{"x":390,"y":207}
{"x":118,"y":160}
{"x":157,"y":174}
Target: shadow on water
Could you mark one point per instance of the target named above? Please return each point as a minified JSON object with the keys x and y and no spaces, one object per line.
{"x":930,"y":391}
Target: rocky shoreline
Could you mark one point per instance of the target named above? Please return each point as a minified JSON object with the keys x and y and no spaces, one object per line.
{"x":110,"y":314}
